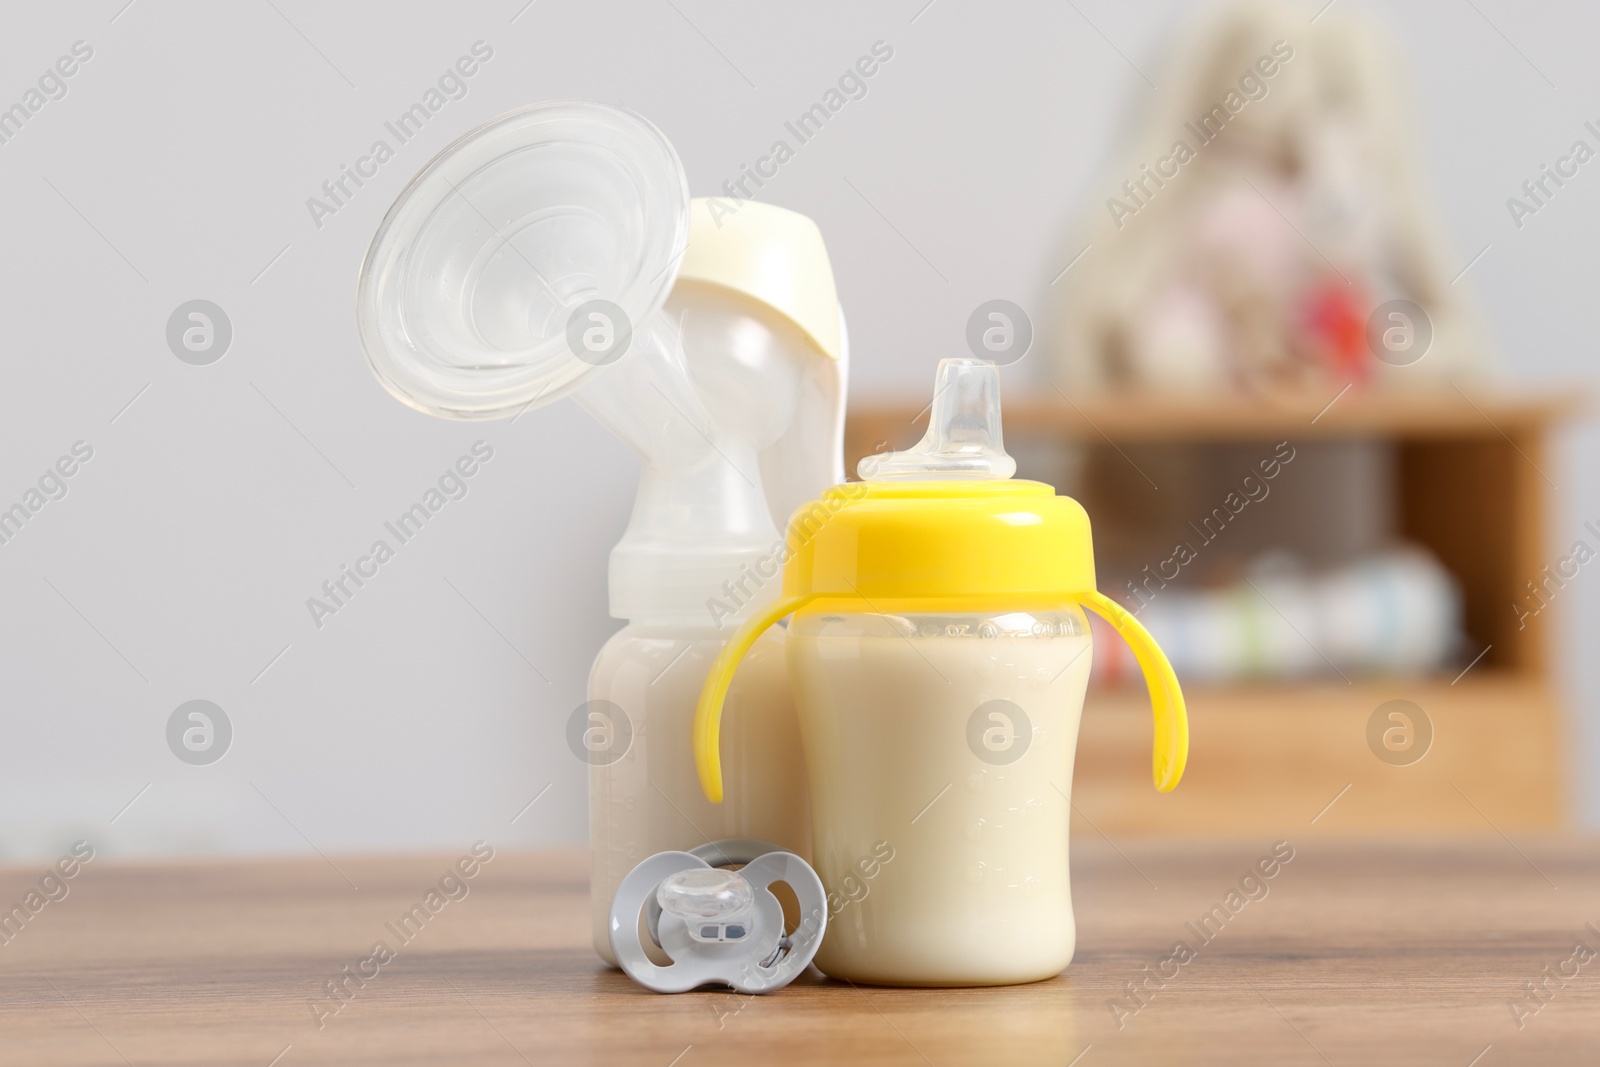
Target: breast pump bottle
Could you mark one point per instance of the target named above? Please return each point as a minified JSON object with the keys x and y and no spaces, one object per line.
{"x":555,"y":251}
{"x":939,"y":653}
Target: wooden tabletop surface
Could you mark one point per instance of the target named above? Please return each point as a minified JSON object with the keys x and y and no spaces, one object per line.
{"x":1357,"y":954}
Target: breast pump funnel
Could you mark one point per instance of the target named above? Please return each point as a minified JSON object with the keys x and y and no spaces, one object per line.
{"x":530,"y":260}
{"x":552,"y":252}
{"x":468,"y":288}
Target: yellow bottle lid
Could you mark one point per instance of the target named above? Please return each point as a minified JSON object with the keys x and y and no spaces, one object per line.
{"x":974,"y":543}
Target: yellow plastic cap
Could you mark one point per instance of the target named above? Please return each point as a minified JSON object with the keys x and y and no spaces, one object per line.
{"x":773,"y":255}
{"x":974,"y":543}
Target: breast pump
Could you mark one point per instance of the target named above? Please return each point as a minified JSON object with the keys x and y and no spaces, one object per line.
{"x":554,"y":251}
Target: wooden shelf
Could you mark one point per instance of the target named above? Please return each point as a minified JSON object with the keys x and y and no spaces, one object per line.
{"x":1140,"y":417}
{"x":1469,"y":484}
{"x":1267,"y":758}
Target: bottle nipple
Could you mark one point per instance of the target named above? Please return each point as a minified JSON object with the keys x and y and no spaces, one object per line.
{"x":963,"y":438}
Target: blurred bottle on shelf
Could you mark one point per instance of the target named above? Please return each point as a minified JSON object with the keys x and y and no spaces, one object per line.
{"x":1396,"y":612}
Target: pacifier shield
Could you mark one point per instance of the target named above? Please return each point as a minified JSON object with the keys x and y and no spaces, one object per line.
{"x":717,"y":926}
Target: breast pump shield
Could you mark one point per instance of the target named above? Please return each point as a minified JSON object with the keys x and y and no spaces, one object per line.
{"x":554,"y":251}
{"x":468,"y":289}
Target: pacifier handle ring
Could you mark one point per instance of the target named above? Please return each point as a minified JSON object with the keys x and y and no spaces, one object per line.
{"x":727,"y":851}
{"x":803,"y":879}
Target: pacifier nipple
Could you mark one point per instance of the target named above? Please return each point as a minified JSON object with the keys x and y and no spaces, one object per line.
{"x":715,"y":905}
{"x":963,"y":438}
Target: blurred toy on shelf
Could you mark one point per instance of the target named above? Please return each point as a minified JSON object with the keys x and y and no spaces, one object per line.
{"x":1267,"y":225}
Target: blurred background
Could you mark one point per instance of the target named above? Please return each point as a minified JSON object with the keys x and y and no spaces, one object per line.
{"x":1319,"y":375}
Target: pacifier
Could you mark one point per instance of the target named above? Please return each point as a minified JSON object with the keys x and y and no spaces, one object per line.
{"x":718,"y":926}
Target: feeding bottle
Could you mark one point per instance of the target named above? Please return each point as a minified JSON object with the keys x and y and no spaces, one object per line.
{"x":939,"y":652}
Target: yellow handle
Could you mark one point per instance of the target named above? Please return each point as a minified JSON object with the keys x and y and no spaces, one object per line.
{"x":708,"y":712}
{"x":1171,"y":750}
{"x":1166,"y":697}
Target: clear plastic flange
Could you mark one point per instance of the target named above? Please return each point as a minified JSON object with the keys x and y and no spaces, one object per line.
{"x":491,"y":261}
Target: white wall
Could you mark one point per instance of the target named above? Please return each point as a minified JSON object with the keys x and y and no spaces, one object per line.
{"x":178,"y":166}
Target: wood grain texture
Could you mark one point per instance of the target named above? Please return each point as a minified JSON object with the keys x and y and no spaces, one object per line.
{"x":1359,"y":953}
{"x":1261,"y":754}
{"x":1481,"y":506}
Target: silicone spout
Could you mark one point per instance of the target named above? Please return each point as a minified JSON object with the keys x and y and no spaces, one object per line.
{"x":963,"y":438}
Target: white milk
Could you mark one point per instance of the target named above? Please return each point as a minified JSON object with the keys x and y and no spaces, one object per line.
{"x":649,"y":800}
{"x":975,"y":890}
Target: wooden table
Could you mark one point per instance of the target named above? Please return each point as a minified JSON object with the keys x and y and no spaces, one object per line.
{"x":1358,"y":954}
